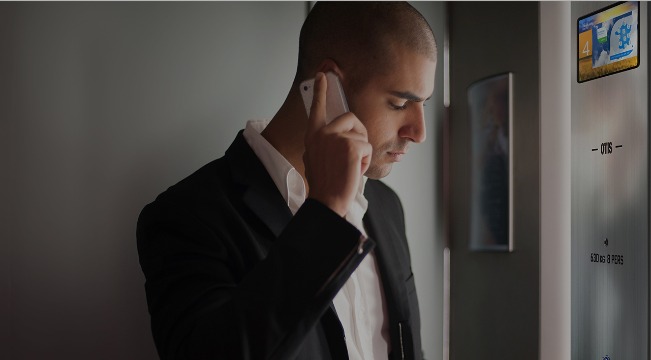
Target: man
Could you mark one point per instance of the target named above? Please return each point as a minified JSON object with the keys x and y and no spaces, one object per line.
{"x":282,"y":249}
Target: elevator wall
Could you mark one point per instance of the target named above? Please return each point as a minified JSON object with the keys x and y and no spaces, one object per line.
{"x":610,"y":199}
{"x":495,"y":296}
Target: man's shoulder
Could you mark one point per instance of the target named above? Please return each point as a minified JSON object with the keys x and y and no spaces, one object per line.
{"x":212,"y":182}
{"x":207,"y":184}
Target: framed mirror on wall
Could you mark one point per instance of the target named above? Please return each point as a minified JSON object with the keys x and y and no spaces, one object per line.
{"x":491,"y":194}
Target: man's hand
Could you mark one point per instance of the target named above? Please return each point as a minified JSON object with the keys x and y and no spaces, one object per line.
{"x":336,"y":155}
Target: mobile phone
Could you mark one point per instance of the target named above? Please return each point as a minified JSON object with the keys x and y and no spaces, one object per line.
{"x":336,"y":104}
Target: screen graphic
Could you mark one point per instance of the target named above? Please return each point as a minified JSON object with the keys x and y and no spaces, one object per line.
{"x":608,"y":41}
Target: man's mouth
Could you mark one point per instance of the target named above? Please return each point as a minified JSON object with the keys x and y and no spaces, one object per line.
{"x":397,"y":155}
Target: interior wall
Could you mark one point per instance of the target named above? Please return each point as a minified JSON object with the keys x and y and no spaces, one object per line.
{"x":5,"y":211}
{"x":556,"y":62}
{"x":495,"y":296}
{"x":105,"y":105}
{"x":109,"y":104}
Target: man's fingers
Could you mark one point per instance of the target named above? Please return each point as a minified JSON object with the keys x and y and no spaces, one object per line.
{"x":336,"y":155}
{"x":318,"y":108}
{"x":346,"y":123}
{"x":366,"y":158}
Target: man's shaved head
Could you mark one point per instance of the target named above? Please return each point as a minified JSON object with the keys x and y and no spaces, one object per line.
{"x":360,"y":37}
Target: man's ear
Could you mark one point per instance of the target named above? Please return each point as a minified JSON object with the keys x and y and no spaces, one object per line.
{"x":329,"y":65}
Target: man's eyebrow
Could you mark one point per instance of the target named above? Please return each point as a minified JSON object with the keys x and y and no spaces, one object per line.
{"x":408,"y":96}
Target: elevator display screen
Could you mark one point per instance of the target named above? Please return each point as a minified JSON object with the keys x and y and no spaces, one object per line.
{"x":608,"y":41}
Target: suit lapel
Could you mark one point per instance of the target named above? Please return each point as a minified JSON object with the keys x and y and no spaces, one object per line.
{"x":389,"y":261}
{"x":259,"y":193}
{"x":261,"y":196}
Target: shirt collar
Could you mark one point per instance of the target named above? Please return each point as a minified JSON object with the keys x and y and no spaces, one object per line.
{"x":287,"y":179}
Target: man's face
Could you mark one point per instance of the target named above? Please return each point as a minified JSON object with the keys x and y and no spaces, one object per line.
{"x":390,"y":106}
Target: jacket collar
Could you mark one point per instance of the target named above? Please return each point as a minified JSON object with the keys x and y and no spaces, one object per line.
{"x":259,"y":193}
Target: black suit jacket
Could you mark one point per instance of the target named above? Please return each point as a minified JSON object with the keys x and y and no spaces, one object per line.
{"x":231,"y":274}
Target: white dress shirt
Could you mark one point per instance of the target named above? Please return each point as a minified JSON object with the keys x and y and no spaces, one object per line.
{"x":360,"y":304}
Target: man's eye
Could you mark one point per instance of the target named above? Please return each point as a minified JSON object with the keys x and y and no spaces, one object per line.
{"x":399,"y":107}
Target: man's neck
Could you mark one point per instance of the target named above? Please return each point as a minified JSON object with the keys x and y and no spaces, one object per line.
{"x":286,"y":131}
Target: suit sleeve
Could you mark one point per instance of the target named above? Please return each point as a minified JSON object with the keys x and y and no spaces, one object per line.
{"x":199,"y":310}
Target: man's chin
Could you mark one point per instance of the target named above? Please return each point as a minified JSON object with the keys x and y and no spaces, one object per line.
{"x":377,"y":172}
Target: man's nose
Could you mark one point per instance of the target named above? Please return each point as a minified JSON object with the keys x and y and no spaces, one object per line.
{"x":414,"y":128}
